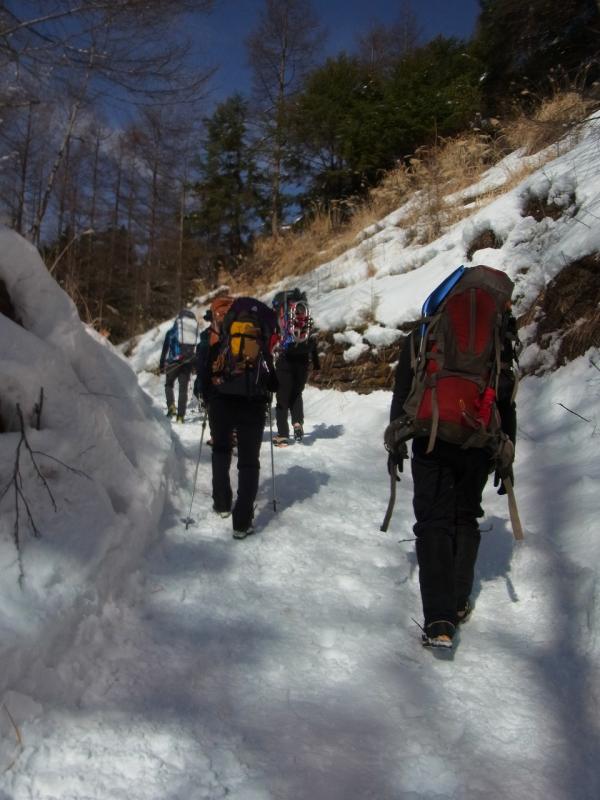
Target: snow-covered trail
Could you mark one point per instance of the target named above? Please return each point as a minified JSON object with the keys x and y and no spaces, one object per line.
{"x":286,"y":666}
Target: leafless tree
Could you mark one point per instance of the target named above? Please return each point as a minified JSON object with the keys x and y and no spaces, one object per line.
{"x":382,"y":46}
{"x":281,"y":50}
{"x":91,"y":51}
{"x":129,"y":38}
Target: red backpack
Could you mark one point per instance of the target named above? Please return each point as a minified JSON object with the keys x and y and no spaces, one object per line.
{"x":293,"y":318}
{"x":457,"y":364}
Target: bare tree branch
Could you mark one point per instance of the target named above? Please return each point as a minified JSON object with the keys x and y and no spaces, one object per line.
{"x":16,"y":481}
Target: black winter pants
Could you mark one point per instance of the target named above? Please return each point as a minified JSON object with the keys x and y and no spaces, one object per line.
{"x":180,"y":373}
{"x":292,"y":380}
{"x":247,"y":417}
{"x":448,"y":484}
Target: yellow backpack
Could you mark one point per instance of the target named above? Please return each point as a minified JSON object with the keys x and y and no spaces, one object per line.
{"x":242,"y":362}
{"x":245,"y":338}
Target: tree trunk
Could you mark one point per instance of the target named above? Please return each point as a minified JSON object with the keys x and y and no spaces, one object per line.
{"x":22,"y":192}
{"x":180,"y":248}
{"x":45,"y":199}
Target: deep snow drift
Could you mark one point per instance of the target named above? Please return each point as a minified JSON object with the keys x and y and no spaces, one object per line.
{"x":103,"y":451}
{"x":144,"y":660}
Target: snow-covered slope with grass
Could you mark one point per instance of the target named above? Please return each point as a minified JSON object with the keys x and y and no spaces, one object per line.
{"x":288,"y":666}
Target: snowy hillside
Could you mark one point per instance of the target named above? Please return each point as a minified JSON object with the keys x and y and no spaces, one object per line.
{"x":366,"y":293}
{"x":150,"y":661}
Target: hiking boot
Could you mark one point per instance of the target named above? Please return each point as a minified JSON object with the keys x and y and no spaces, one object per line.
{"x":280,"y":441}
{"x":464,"y":613}
{"x":171,"y":411}
{"x":243,"y":533}
{"x":180,"y":418}
{"x":438,"y":634}
{"x":298,"y":431}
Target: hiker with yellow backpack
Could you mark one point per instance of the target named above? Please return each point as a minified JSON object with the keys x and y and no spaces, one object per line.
{"x":238,"y":378}
{"x":454,"y":396}
{"x":214,"y":315}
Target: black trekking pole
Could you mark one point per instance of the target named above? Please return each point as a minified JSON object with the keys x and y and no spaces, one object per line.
{"x":189,"y":520}
{"x":272,"y":456}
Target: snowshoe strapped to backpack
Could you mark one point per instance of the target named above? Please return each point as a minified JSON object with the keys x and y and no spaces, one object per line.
{"x":293,"y":318}
{"x":185,"y":335}
{"x":241,"y":364}
{"x":457,"y":360}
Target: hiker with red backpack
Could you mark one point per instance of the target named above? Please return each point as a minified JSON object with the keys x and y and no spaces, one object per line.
{"x":297,"y":349}
{"x":177,"y":360}
{"x":454,"y":396}
{"x":238,"y":380}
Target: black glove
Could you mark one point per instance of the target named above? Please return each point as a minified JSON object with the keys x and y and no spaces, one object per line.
{"x":397,"y":433}
{"x":504,"y":457}
{"x":498,"y":478}
{"x":392,"y":467}
{"x":396,"y":459}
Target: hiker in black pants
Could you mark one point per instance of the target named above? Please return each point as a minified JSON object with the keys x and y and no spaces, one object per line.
{"x":238,"y":402}
{"x":292,"y":371}
{"x":247,"y":417}
{"x":177,"y":359}
{"x":448,"y":486}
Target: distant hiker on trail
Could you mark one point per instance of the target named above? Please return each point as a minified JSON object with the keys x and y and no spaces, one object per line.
{"x":454,"y":393}
{"x":202,"y":352}
{"x":202,"y":355}
{"x":297,"y":348}
{"x":177,"y":360}
{"x":237,"y":381}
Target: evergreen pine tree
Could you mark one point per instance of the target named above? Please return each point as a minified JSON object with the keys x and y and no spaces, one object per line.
{"x":230,"y":204}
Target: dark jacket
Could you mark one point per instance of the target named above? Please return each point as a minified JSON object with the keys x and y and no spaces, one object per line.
{"x":202,"y":352}
{"x":166,"y":347}
{"x":300,"y":353}
{"x":209,"y":391}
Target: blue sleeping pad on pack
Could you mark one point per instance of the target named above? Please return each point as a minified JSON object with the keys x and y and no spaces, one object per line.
{"x":431,"y":305}
{"x":439,"y":294}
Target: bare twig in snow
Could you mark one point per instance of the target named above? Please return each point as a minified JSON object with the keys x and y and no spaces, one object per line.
{"x":16,"y":481}
{"x":575,"y":413}
{"x":18,"y":738}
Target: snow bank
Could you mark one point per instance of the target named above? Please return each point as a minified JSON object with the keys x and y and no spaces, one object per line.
{"x":102,"y":452}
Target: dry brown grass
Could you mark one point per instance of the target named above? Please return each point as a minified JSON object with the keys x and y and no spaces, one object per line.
{"x":451,"y":165}
{"x":431,"y":176}
{"x":298,"y":252}
{"x":554,"y":118}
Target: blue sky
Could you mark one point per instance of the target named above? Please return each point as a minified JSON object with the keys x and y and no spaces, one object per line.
{"x":221,"y":36}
